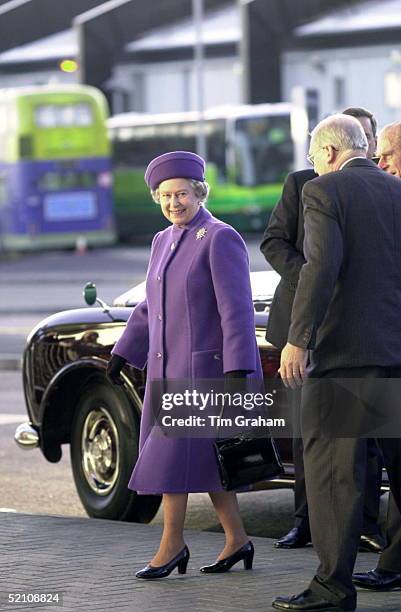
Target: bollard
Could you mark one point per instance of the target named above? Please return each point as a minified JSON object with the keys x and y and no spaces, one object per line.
{"x":81,"y":245}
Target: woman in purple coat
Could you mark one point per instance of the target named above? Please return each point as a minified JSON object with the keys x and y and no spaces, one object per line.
{"x":197,"y":322}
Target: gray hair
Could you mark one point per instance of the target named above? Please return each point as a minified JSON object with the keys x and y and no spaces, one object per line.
{"x":343,"y":132}
{"x":201,"y":190}
{"x":394,"y":131}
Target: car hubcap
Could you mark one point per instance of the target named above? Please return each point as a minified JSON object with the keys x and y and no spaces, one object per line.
{"x":100,"y":456}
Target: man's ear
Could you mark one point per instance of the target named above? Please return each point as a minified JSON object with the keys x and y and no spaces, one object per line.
{"x":331,"y":154}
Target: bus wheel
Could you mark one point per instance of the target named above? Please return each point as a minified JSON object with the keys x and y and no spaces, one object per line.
{"x":104,"y":448}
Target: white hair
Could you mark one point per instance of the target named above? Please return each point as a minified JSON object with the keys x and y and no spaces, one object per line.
{"x":392,"y":131}
{"x":343,"y":132}
{"x":201,"y":189}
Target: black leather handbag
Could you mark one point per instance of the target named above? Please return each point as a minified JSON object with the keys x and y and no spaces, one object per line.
{"x":245,"y":460}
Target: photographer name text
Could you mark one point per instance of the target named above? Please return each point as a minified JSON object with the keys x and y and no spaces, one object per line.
{"x":217,"y":421}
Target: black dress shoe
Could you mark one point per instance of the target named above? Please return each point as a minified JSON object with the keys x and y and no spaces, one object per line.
{"x":377,"y":580}
{"x":307,"y":601}
{"x":244,"y":553}
{"x":294,"y":539}
{"x":180,"y":561}
{"x":372,"y":543}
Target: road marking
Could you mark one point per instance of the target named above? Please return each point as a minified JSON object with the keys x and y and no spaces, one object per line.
{"x":15,"y":330}
{"x":7,"y":419}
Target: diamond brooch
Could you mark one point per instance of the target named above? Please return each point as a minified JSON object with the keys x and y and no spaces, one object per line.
{"x":201,"y":233}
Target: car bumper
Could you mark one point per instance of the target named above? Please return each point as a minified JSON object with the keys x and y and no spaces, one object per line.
{"x":26,"y":436}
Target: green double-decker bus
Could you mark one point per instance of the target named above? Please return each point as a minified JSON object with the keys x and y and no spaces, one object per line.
{"x":55,"y":168}
{"x":250,"y":150}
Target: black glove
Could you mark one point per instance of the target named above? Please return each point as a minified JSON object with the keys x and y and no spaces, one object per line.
{"x":114,"y":368}
{"x":230,"y":386}
{"x":236,"y":374}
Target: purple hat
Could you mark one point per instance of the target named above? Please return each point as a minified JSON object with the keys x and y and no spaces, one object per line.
{"x":177,"y":164}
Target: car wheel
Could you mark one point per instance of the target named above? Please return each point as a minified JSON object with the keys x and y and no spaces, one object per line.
{"x":104,"y":449}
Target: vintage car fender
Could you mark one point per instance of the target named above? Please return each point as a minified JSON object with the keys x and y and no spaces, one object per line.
{"x":64,"y":390}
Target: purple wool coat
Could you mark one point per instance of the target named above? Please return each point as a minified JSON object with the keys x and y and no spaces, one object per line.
{"x":197,"y":322}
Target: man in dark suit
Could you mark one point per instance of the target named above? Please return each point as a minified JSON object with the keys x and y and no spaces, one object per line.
{"x":282,"y":247}
{"x":349,"y":321}
{"x":389,"y":153}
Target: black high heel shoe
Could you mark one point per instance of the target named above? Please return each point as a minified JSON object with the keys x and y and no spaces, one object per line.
{"x":180,"y":561}
{"x":244,"y":553}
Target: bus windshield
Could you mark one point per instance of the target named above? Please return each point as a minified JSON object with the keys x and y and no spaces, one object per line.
{"x":263,"y":149}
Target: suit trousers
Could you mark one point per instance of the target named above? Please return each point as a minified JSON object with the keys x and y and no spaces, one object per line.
{"x":335,"y":473}
{"x":374,"y":467}
{"x":371,"y":506}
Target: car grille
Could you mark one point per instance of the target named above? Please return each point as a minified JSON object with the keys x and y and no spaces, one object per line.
{"x":48,"y":359}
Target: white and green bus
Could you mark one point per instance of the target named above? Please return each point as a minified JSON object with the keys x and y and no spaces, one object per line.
{"x":250,"y":150}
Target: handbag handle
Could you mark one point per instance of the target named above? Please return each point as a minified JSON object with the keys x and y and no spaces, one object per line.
{"x":229,"y":376}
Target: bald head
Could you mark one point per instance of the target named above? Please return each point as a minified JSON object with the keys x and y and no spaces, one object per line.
{"x":389,"y":148}
{"x":335,"y":140}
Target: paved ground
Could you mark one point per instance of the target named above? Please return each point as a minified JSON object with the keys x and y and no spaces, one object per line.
{"x":92,"y":564}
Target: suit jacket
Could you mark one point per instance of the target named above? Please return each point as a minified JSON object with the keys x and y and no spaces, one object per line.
{"x":282,"y":247}
{"x":347,"y":306}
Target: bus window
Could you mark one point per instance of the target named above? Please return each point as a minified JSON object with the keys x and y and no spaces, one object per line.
{"x":73,"y":179}
{"x":45,"y":116}
{"x":63,"y":115}
{"x":135,"y":146}
{"x":216,"y":147}
{"x":263,"y":149}
{"x":83,"y":114}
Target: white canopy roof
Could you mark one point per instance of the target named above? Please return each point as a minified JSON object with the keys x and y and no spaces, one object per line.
{"x":218,"y":27}
{"x":370,"y":15}
{"x":56,"y":46}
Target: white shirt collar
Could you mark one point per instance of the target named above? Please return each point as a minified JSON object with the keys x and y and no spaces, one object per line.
{"x":350,"y":159}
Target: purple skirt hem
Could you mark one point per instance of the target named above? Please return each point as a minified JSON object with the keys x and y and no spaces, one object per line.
{"x":180,"y":491}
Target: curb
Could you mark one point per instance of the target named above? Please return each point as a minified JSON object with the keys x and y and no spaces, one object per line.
{"x":43,"y":312}
{"x":10,"y":362}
